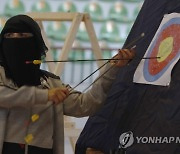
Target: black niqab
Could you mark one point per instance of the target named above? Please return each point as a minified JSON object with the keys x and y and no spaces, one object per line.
{"x":15,"y":51}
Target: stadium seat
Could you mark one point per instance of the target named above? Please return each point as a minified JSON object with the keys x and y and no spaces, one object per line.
{"x":2,"y":22}
{"x":67,"y":6}
{"x":128,"y":29}
{"x":106,"y":52}
{"x":110,"y":32}
{"x":41,"y":6}
{"x":57,"y":30}
{"x":108,"y":0}
{"x":118,"y":12}
{"x":133,"y":0}
{"x":54,"y":50}
{"x":82,"y":33}
{"x":136,"y":10}
{"x":13,"y":7}
{"x":95,"y":11}
{"x":76,"y":54}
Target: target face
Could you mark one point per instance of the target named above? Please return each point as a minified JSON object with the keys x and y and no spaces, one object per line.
{"x":166,"y":46}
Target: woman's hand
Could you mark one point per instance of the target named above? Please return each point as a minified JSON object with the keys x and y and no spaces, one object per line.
{"x":58,"y":95}
{"x":126,"y":54}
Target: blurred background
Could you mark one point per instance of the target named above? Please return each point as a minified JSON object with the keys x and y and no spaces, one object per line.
{"x":112,"y":21}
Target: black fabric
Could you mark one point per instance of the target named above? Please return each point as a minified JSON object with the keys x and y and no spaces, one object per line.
{"x":49,"y":74}
{"x":37,"y":150}
{"x":14,"y":52}
{"x":14,"y":148}
{"x":146,"y":110}
{"x":23,"y":23}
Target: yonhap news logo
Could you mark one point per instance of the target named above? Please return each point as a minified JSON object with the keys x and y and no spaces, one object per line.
{"x":127,"y":139}
{"x":158,"y":140}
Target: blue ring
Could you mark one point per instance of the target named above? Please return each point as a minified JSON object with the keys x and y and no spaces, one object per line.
{"x":151,"y":78}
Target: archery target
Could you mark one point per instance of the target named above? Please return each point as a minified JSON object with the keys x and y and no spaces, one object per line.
{"x":166,"y":46}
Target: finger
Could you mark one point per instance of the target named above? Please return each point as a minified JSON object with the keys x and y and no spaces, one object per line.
{"x":124,"y":54}
{"x":127,"y":52}
{"x":130,"y":52}
{"x":65,"y":91}
{"x":120,"y":54}
{"x":133,"y":52}
{"x":117,"y":56}
{"x":124,"y":58}
{"x":62,"y":96}
{"x":55,"y":99}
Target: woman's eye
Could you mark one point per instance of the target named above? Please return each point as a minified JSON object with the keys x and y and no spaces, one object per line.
{"x":18,"y":35}
{"x":8,"y":35}
{"x":22,"y":35}
{"x":26,"y":35}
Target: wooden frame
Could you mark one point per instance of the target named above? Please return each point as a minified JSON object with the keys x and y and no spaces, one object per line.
{"x":76,"y":19}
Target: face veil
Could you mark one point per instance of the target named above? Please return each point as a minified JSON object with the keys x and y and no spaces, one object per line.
{"x":14,"y":52}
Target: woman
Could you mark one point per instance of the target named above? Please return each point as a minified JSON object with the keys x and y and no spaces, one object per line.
{"x":26,"y":91}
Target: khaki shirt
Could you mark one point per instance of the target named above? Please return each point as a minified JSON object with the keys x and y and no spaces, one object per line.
{"x":77,"y":104}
